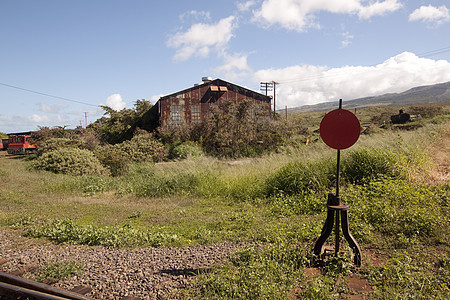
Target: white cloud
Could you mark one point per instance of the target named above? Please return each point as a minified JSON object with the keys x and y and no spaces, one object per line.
{"x":430,"y":14}
{"x":378,"y":9}
{"x":300,"y":15}
{"x":18,"y":123}
{"x":195,"y":15}
{"x":155,"y":98}
{"x":115,"y":102}
{"x":347,"y":39}
{"x":245,"y":6}
{"x":200,"y":38}
{"x":38,"y":118}
{"x":51,"y":108}
{"x":5,"y":119}
{"x":235,"y":66}
{"x":306,"y":84}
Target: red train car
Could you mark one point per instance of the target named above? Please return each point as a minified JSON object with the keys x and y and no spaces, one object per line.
{"x":18,"y":143}
{"x":4,"y":144}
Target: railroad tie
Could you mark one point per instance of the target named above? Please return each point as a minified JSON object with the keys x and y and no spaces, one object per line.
{"x":82,"y":290}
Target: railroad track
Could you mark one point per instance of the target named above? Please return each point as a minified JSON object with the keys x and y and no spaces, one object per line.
{"x":14,"y":287}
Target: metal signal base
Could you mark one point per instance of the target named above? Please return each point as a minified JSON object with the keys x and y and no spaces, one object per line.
{"x":337,"y":210}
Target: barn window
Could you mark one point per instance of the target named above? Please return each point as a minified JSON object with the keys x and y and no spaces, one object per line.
{"x":195,"y":113}
{"x":175,"y":114}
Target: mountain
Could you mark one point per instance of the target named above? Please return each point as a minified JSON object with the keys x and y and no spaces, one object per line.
{"x":418,"y":95}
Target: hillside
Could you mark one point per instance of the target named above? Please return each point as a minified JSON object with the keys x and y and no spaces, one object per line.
{"x":417,"y":95}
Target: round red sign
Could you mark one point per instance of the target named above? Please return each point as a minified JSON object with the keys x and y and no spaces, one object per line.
{"x":340,"y":129}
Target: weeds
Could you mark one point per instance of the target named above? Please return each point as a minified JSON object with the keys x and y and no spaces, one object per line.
{"x":399,"y":208}
{"x":409,"y":276}
{"x":254,"y":273}
{"x":62,"y":231}
{"x":56,"y":271}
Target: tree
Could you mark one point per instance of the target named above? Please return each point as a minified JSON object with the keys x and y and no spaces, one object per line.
{"x":118,"y":126}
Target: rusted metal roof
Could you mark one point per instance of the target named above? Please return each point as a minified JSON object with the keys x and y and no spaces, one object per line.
{"x":217,"y":85}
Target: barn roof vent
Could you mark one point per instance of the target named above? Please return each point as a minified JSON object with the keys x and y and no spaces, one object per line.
{"x":206,"y":79}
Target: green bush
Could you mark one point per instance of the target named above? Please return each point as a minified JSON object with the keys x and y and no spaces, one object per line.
{"x":71,"y":161}
{"x":59,"y":143}
{"x":185,"y":150}
{"x":399,"y":208}
{"x":298,"y":178}
{"x":60,"y":136}
{"x":113,"y":159}
{"x":143,"y":147}
{"x":236,"y":130}
{"x":369,"y":163}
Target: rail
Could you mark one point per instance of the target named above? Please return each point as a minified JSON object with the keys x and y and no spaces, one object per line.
{"x":15,"y":287}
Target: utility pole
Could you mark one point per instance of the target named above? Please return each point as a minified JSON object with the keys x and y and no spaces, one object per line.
{"x":85,"y":119}
{"x":269,"y":86}
{"x":274,"y":84}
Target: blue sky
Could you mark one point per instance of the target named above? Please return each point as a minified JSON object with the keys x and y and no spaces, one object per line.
{"x":60,"y":59}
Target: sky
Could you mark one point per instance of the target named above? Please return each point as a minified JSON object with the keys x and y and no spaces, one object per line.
{"x":60,"y":60}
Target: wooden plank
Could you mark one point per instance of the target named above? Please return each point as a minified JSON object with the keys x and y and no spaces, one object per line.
{"x":23,"y":270}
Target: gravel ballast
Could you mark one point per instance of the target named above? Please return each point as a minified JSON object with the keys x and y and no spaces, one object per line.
{"x":112,"y":273}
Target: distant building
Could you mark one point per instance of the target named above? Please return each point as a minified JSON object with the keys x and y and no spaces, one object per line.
{"x":192,"y":105}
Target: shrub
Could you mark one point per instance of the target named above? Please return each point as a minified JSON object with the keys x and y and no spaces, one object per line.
{"x":59,"y":143}
{"x":113,"y":159}
{"x":428,"y":111}
{"x":368,"y":163}
{"x":86,"y":137}
{"x":70,"y":161}
{"x":143,"y":147}
{"x":185,"y":150}
{"x":239,"y":130}
{"x":399,"y":208}
{"x":298,"y":178}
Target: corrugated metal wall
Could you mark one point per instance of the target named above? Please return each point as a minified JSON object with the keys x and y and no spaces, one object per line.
{"x":182,"y":108}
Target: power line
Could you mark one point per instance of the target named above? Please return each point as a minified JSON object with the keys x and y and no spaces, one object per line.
{"x":48,"y":95}
{"x":435,"y":52}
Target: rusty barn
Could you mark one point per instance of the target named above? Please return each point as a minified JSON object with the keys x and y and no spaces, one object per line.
{"x":193,"y":104}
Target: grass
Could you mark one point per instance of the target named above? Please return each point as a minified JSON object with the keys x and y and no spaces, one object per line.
{"x":53,"y":272}
{"x":394,"y":208}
